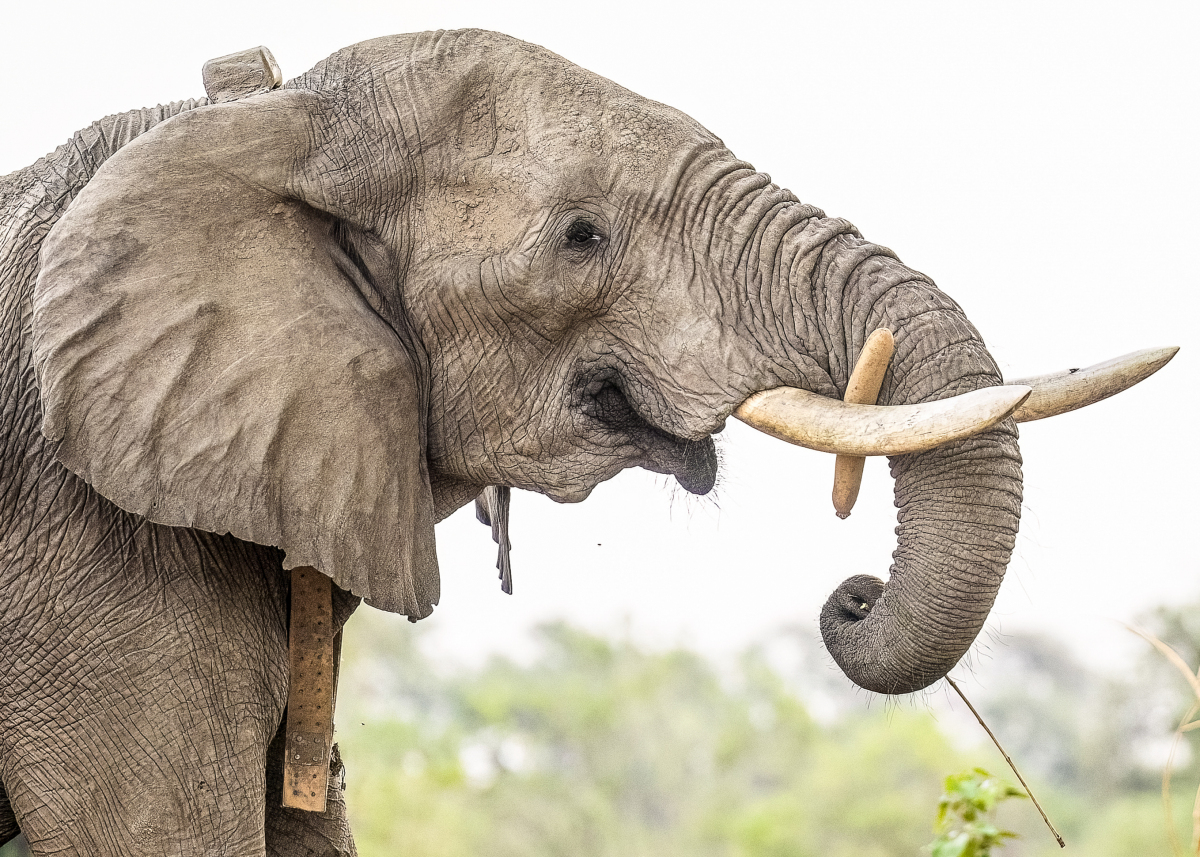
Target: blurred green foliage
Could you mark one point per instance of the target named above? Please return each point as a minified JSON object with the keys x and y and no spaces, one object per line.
{"x":966,"y":824}
{"x":601,"y":747}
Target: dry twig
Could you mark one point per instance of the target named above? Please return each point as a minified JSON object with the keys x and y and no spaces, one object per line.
{"x":1007,"y":758}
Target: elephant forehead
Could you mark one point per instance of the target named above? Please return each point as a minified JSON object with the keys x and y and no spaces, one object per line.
{"x":570,"y":121}
{"x":623,"y":140}
{"x":493,"y":116}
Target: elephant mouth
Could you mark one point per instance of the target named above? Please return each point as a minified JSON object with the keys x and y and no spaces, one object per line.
{"x":693,"y":463}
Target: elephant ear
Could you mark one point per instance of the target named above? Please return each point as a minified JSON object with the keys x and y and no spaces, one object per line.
{"x":207,"y":358}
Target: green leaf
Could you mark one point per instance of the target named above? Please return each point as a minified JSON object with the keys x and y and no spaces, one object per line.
{"x":964,"y":817}
{"x":955,"y":847}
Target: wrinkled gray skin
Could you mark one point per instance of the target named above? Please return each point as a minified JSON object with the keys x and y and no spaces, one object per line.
{"x":324,"y":317}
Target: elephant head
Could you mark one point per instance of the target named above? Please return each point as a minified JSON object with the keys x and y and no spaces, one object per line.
{"x":323,"y":317}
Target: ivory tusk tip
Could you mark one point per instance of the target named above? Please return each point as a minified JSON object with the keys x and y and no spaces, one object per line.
{"x":1062,"y":392}
{"x":1025,"y":392}
{"x":829,"y":425}
{"x":847,"y":479}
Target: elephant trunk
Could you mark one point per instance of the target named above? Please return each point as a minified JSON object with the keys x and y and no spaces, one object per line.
{"x":805,"y":291}
{"x":958,"y":511}
{"x":958,"y":504}
{"x":812,"y":291}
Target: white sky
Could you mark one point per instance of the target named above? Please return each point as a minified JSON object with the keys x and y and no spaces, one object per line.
{"x":1039,"y":161}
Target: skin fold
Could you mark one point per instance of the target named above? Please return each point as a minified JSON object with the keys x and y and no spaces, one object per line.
{"x":301,"y":327}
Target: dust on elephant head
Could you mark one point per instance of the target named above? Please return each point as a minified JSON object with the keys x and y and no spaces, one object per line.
{"x":323,"y":317}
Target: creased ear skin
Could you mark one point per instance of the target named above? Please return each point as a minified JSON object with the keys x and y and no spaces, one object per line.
{"x":206,"y":360}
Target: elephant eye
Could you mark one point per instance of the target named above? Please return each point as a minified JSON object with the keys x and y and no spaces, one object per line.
{"x":581,"y":235}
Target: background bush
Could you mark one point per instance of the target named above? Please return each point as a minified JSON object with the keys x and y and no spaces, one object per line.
{"x":600,"y":747}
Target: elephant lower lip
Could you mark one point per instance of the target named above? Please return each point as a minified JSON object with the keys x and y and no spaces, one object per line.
{"x":693,"y":463}
{"x":694,"y":466}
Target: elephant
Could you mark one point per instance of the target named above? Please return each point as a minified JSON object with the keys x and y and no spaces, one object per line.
{"x":294,"y":325}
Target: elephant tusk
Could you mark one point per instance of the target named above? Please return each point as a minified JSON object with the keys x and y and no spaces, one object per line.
{"x":861,"y":389}
{"x":1060,"y":392}
{"x":827,"y":425}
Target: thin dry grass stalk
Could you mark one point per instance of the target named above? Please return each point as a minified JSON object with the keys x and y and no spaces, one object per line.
{"x":1186,"y":724}
{"x":1011,"y":763}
